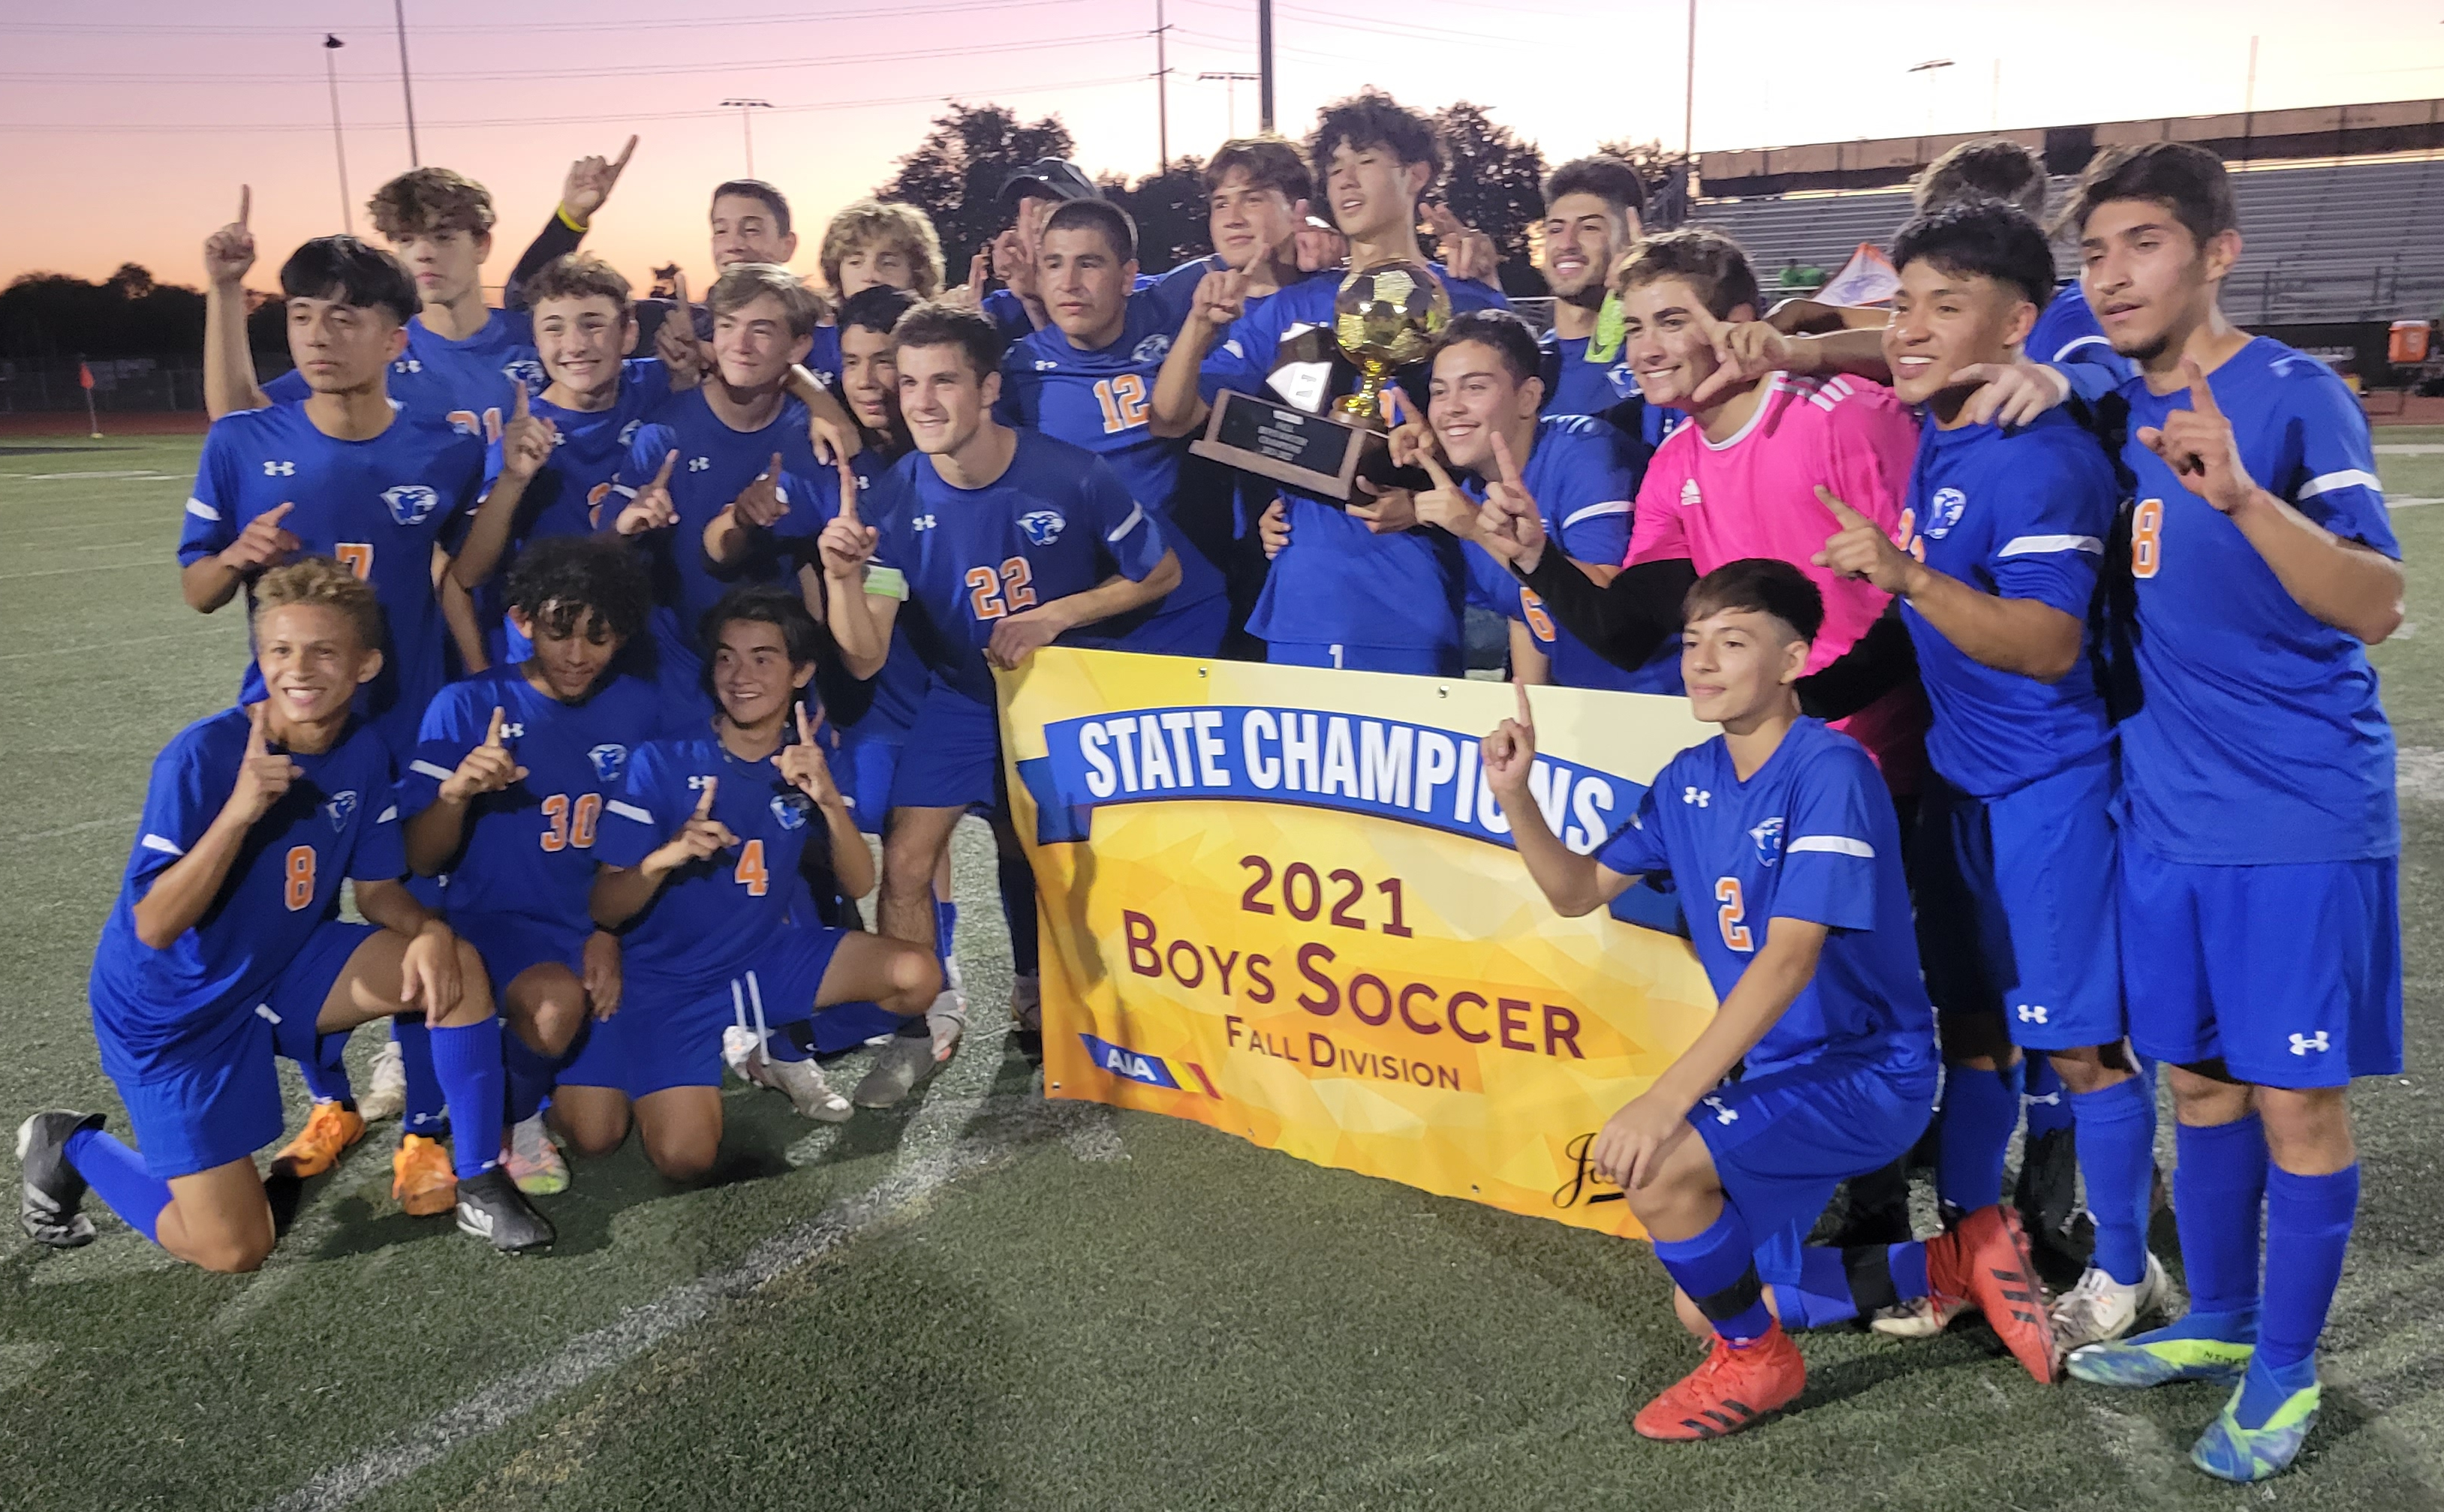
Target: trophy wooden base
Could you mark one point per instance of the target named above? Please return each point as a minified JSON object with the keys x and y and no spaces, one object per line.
{"x":1316,"y":453}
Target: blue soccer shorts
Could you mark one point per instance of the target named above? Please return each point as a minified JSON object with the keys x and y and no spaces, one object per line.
{"x":668,"y":1034}
{"x":1416,"y":661}
{"x":1191,"y":630}
{"x":2290,"y":974}
{"x":221,"y":1102}
{"x":512,"y":944}
{"x":950,"y":756}
{"x":1784,"y":1139}
{"x":2015,"y":906}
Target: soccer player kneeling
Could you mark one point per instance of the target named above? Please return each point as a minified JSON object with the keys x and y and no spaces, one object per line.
{"x":1820,"y":1063}
{"x":698,"y":858}
{"x":226,"y":945}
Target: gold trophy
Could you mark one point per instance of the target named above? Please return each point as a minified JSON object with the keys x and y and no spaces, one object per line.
{"x":1384,"y":318}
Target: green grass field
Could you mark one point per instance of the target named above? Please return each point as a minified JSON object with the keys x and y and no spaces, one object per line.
{"x":984,"y":1299}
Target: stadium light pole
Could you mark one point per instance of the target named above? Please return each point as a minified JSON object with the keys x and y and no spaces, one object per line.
{"x":1229,"y":93}
{"x":1931,"y":67}
{"x":1161,"y":90}
{"x":1265,"y":65}
{"x":746,"y":109}
{"x":1689,"y":91}
{"x":406,"y":82}
{"x":331,"y":46}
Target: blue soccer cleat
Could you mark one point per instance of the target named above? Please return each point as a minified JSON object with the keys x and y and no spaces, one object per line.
{"x":2158,"y":1358}
{"x":2231,"y":1452}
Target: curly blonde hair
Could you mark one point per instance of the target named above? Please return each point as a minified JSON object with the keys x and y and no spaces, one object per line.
{"x":431,"y":199}
{"x":888,"y":224}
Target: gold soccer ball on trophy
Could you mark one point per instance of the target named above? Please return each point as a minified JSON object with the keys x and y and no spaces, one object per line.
{"x":1385,"y":317}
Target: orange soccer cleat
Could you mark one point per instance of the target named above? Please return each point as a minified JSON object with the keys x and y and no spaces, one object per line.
{"x":1730,"y":1392}
{"x":1984,"y":1259}
{"x":422,"y":1180}
{"x":329,"y":1130}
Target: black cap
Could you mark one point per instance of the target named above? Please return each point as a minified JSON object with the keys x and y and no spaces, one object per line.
{"x":1049,"y":178}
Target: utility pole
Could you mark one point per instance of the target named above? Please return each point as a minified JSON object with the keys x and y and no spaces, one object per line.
{"x":331,"y":46}
{"x":1161,"y":91}
{"x":406,"y":85}
{"x":1689,"y":91}
{"x":1229,"y":93}
{"x":1265,"y":65}
{"x":746,"y":109}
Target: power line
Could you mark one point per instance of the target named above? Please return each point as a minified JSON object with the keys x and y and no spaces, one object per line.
{"x":591,"y":24}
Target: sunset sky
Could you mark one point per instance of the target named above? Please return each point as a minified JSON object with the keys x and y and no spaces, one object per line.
{"x":125,"y":129}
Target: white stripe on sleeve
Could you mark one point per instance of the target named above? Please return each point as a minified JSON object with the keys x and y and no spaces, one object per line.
{"x":2327,"y":482}
{"x":629,"y":811}
{"x":1836,"y":845}
{"x":2038,"y":545}
{"x":387,"y":814}
{"x":1137,"y":514}
{"x":1591,"y":511}
{"x":202,"y":510}
{"x":429,"y":769}
{"x":164,"y":845}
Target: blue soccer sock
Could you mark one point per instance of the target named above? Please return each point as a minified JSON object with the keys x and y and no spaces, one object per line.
{"x":530,"y":1074}
{"x":2046,"y":1099}
{"x":2265,"y":1388}
{"x":2308,"y":1228}
{"x":427,"y":1107}
{"x":2117,"y":1157}
{"x":2217,"y":1191}
{"x":1018,"y":907}
{"x":1973,"y":1133}
{"x":116,"y":1175}
{"x":946,"y":926}
{"x":328,"y":1083}
{"x":1717,"y":1269}
{"x":466,"y":1062}
{"x":1836,"y":1286}
{"x":782,"y":1043}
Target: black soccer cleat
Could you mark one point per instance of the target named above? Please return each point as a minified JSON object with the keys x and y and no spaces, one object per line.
{"x":491,"y":1208}
{"x":52,"y":1192}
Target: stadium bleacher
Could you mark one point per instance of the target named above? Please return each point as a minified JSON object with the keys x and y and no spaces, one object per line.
{"x":2324,"y":243}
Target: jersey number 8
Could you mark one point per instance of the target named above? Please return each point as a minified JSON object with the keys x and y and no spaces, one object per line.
{"x":2147,"y":538}
{"x":992,"y":594}
{"x":300,"y":877}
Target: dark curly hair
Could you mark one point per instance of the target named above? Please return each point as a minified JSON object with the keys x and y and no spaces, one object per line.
{"x":594,"y":586}
{"x":1373,"y":118}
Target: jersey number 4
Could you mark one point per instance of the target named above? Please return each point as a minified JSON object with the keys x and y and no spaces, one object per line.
{"x":2147,"y":538}
{"x":991,"y":595}
{"x":1124,"y":401}
{"x":752,"y":874}
{"x":1730,"y":913}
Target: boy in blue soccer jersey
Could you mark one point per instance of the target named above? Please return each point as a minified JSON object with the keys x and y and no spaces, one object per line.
{"x":1820,"y":1064}
{"x":505,"y":796}
{"x":225,"y":948}
{"x":1360,"y":588}
{"x":693,"y":861}
{"x":2260,"y":839}
{"x":1089,"y":377}
{"x":706,"y":450}
{"x":1000,"y":542}
{"x":1582,"y":474}
{"x":1592,"y":206}
{"x":2015,"y":869}
{"x":873,"y":244}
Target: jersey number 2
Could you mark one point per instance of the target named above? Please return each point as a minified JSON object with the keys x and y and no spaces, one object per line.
{"x":300,"y":877}
{"x":991,"y":595}
{"x":1732,"y":909}
{"x":1123,"y":400}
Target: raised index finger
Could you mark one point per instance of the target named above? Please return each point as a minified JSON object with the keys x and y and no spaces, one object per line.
{"x":278,"y":511}
{"x":1841,"y":511}
{"x":245,"y":202}
{"x":256,"y":744}
{"x":805,"y":731}
{"x":520,"y":411}
{"x":622,"y":161}
{"x":1526,"y":716}
{"x":668,"y":457}
{"x":704,"y":803}
{"x":1508,"y":465}
{"x":492,"y":735}
{"x":679,"y":292}
{"x":2201,"y":396}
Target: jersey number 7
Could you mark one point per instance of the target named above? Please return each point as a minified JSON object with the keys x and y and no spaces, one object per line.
{"x":991,"y":595}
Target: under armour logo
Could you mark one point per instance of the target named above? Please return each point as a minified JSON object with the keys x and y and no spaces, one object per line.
{"x":512,"y":730}
{"x":2032,"y":1012}
{"x":407,"y":365}
{"x":280,"y":470}
{"x":2302,"y":1043}
{"x":1045,"y":364}
{"x":1722,"y":1113}
{"x":700,"y":463}
{"x":1696,"y":795}
{"x":695,"y":784}
{"x":922,"y":522}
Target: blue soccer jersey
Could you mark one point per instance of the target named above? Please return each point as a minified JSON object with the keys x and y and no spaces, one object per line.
{"x":824,"y":356}
{"x":716,"y":464}
{"x":155,"y":1009}
{"x":1810,"y":835}
{"x":2066,"y":334}
{"x":565,"y":498}
{"x":530,"y":848}
{"x":1573,"y":385}
{"x":1584,"y":476}
{"x":1337,"y":583}
{"x":1100,"y":400}
{"x":2261,"y":740}
{"x":885,"y":707}
{"x":1056,"y":523}
{"x":469,"y":385}
{"x":2024,"y":515}
{"x":380,"y":507}
{"x":712,"y":918}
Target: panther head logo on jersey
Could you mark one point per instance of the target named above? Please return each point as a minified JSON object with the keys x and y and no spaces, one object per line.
{"x":609,"y":761}
{"x":411,"y":503}
{"x":1153,"y":349}
{"x":1768,"y":839}
{"x":527,"y":371}
{"x":628,"y":432}
{"x":1043,"y":526}
{"x":341,"y":806}
{"x":790,"y":808}
{"x":1942,"y":512}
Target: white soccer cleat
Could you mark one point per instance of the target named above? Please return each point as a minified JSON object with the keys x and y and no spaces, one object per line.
{"x":803,"y":1082}
{"x":2101,"y":1308}
{"x":531,"y":1160}
{"x":387,"y":1098}
{"x":948,"y":1019}
{"x":1919,"y":1318}
{"x":1027,"y":1003}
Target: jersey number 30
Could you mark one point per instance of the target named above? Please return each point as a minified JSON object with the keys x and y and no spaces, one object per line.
{"x":992,"y":594}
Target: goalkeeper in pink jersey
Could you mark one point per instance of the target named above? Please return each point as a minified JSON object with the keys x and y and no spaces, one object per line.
{"x":1740,"y":480}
